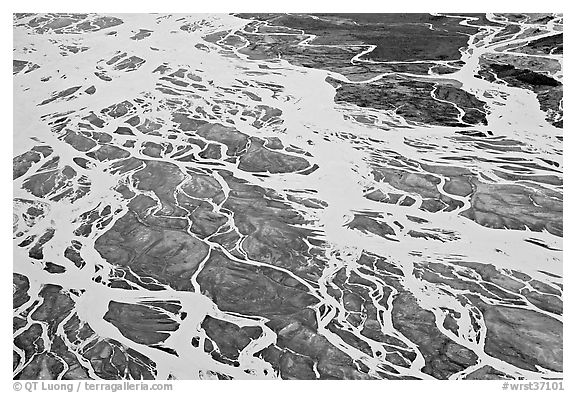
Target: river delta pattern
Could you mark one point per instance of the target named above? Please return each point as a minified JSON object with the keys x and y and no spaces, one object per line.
{"x":265,"y":196}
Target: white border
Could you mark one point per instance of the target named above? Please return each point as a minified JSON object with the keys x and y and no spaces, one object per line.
{"x":221,"y":6}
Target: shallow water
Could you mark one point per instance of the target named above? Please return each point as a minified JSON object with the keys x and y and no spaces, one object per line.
{"x":313,"y":122}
